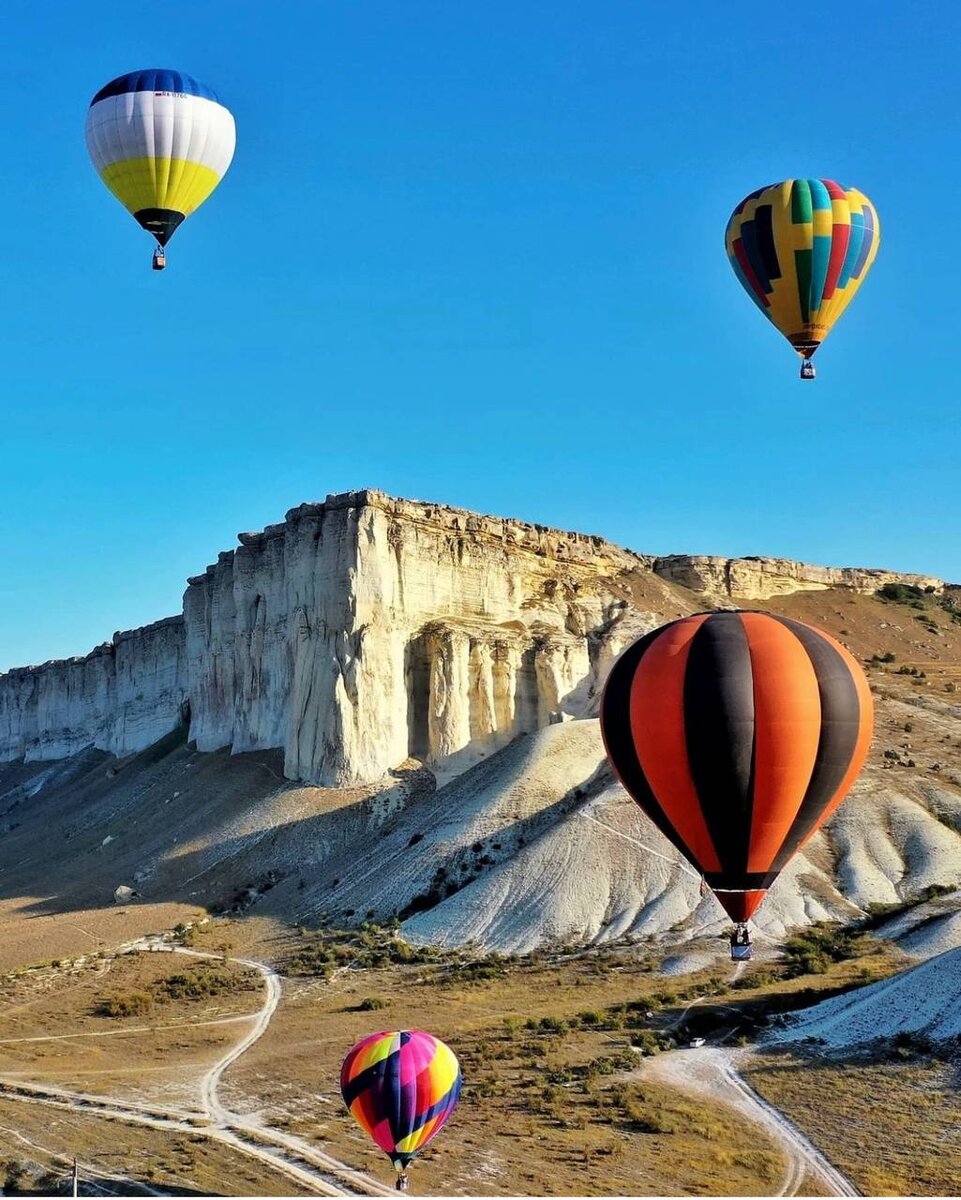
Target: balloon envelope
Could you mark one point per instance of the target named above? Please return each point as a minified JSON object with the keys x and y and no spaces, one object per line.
{"x":161,"y":142}
{"x":738,"y":733}
{"x":801,"y":249}
{"x":400,"y":1087}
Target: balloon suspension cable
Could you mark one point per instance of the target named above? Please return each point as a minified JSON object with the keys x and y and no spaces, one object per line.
{"x":627,"y":838}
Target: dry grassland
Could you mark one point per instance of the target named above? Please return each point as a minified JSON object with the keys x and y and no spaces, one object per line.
{"x":892,"y":1127}
{"x":549,"y":1106}
{"x":176,"y":1163}
{"x":60,"y":1025}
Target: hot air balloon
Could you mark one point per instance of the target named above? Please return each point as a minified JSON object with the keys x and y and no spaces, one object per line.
{"x":161,"y":142}
{"x":801,"y":250}
{"x":400,"y":1088}
{"x":738,"y":734}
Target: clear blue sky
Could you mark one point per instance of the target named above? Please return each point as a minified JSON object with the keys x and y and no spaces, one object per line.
{"x":470,"y":252}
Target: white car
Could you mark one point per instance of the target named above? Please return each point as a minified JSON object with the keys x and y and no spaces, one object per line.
{"x":697,"y":1043}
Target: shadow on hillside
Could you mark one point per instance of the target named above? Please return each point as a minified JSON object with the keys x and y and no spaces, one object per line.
{"x":901,"y":1050}
{"x":221,"y":831}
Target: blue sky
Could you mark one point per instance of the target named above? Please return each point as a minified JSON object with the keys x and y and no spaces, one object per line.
{"x":471,"y":253}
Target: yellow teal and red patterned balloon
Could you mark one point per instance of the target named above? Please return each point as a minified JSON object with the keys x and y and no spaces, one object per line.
{"x":802,"y":249}
{"x":401,"y":1087}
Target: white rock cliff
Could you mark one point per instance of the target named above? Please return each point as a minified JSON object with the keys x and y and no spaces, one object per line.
{"x":366,"y":630}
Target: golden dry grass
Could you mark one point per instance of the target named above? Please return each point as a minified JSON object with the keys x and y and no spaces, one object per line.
{"x":892,"y":1127}
{"x":540,"y":1112}
{"x":46,"y":1139}
{"x":51,"y":1033}
{"x":548,"y":1110}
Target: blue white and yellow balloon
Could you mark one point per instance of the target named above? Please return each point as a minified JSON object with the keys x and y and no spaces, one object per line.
{"x":161,"y":142}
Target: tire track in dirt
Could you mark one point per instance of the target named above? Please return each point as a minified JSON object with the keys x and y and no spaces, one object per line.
{"x":710,"y":1072}
{"x":298,"y":1160}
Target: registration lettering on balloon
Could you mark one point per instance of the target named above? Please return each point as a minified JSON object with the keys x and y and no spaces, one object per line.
{"x":161,"y":142}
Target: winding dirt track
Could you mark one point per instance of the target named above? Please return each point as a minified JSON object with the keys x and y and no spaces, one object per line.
{"x":710,"y":1071}
{"x":300,"y":1161}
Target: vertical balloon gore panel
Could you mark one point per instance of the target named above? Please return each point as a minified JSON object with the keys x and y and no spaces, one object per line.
{"x":738,"y":734}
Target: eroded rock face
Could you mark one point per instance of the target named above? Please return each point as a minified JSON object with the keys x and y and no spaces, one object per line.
{"x":366,"y":630}
{"x":762,"y":578}
{"x":121,"y":697}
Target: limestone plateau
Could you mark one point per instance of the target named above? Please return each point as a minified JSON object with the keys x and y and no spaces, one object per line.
{"x":366,"y":631}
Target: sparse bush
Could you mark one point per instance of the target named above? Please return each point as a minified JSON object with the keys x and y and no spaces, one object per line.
{"x":198,"y":983}
{"x":589,"y":1018}
{"x":900,"y":593}
{"x":132,"y":1004}
{"x":553,"y":1025}
{"x":756,"y":979}
{"x":651,"y":1041}
{"x":14,"y":1174}
{"x":908,"y":1045}
{"x":812,"y":951}
{"x":371,"y":1004}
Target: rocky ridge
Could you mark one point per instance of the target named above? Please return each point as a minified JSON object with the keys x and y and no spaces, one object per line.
{"x":366,"y":631}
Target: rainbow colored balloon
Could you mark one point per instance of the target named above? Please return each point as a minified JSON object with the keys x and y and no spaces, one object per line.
{"x":801,"y":250}
{"x":400,"y":1087}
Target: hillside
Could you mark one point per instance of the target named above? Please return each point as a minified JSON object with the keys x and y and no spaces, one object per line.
{"x":921,"y":1004}
{"x":512,"y":838}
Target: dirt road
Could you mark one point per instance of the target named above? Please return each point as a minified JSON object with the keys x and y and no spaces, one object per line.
{"x":298,"y":1160}
{"x":711,"y":1071}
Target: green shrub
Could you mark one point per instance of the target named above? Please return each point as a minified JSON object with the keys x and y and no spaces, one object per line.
{"x":901,"y":593}
{"x":199,"y":983}
{"x":812,"y":951}
{"x":652,"y":1041}
{"x":553,"y":1025}
{"x":131,"y":1004}
{"x":756,"y":979}
{"x":371,"y":1004}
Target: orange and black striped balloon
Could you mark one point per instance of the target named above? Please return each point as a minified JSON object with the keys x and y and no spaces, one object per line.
{"x":738,"y":733}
